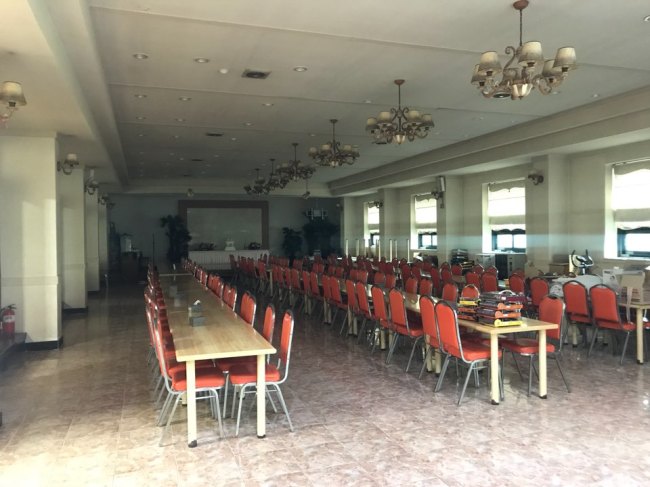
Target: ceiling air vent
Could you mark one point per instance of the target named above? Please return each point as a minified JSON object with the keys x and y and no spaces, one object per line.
{"x":196,"y":160}
{"x":255,"y":74}
{"x":213,"y":134}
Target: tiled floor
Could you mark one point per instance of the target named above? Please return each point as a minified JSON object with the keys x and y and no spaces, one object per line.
{"x":84,"y":415}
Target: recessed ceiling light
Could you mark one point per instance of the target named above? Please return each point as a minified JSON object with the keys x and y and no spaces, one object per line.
{"x":436,"y":133}
{"x":181,"y":158}
{"x":267,"y":104}
{"x":140,"y":135}
{"x":312,"y":135}
{"x":141,"y":55}
{"x":177,"y":136}
{"x":140,"y":95}
{"x":140,"y":118}
{"x":596,"y":95}
{"x":248,"y":124}
{"x":201,"y":60}
{"x":184,"y":98}
{"x":300,"y":69}
{"x":208,"y":165}
{"x":141,"y":152}
{"x":179,"y":119}
{"x":367,"y":101}
{"x":233,"y":138}
{"x":172,"y":153}
{"x":223,"y":70}
{"x":555,"y":92}
{"x":216,"y":155}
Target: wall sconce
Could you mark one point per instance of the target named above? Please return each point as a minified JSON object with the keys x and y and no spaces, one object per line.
{"x":439,"y":192}
{"x":536,"y":177}
{"x":11,"y":97}
{"x":90,"y":185}
{"x":68,"y":164}
{"x":375,"y":204}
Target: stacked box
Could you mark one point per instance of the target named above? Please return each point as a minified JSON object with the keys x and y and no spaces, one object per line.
{"x":501,"y":308}
{"x":467,"y":309}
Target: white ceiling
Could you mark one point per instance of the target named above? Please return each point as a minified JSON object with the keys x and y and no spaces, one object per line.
{"x":353,"y":51}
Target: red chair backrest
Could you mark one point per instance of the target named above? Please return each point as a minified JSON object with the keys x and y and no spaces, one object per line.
{"x":353,"y":274}
{"x":248,"y":307}
{"x":435,"y":277}
{"x":306,"y":283}
{"x":327,"y":290}
{"x":426,"y":287}
{"x":575,"y":297}
{"x":446,"y":276}
{"x":489,"y":282}
{"x":362,"y":275}
{"x":450,"y":292}
{"x":406,"y":271}
{"x":429,"y":320}
{"x":411,"y":285}
{"x":519,"y":272}
{"x":339,"y":272}
{"x":286,"y":338}
{"x":517,"y":284}
{"x":391,"y":281}
{"x":362,"y":298}
{"x":379,"y":279}
{"x":352,"y":296}
{"x":538,"y":289}
{"x":295,"y":278}
{"x":445,"y":265}
{"x":604,"y":304}
{"x":397,"y":307}
{"x":457,"y":270}
{"x":478,"y":268}
{"x":470,"y":291}
{"x":473,"y":278}
{"x":335,"y":290}
{"x":378,"y":303}
{"x":315,"y":288}
{"x":447,"y":324}
{"x":416,"y":272}
{"x":269,"y":323}
{"x":551,"y":310}
{"x":492,"y":270}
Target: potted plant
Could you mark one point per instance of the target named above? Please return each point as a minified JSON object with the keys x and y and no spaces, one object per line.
{"x":178,"y":236}
{"x":318,"y":234}
{"x":292,"y":242}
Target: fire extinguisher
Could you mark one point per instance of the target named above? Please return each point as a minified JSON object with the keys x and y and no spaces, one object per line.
{"x":8,"y":319}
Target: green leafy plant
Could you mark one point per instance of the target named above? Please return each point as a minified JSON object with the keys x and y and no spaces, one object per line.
{"x":292,"y":242}
{"x":178,"y":236}
{"x":318,"y":234}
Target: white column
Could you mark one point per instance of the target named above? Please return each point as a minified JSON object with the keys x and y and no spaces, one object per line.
{"x":72,"y":207}
{"x":103,"y":240}
{"x":92,"y":242}
{"x":29,"y":261}
{"x":450,"y":220}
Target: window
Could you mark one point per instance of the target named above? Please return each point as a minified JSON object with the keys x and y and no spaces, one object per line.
{"x":507,"y":215}
{"x":426,"y":214}
{"x":372,"y":224}
{"x":631,"y":206}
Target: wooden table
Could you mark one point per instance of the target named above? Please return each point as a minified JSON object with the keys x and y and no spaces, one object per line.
{"x":640,"y":310}
{"x":413,"y":304}
{"x":223,"y":335}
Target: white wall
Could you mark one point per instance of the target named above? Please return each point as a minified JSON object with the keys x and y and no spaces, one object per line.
{"x":139,"y":215}
{"x":567,"y":211}
{"x":28,"y":235}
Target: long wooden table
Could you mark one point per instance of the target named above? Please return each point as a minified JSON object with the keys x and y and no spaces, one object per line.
{"x":223,"y":335}
{"x":412,"y":303}
{"x":640,"y":308}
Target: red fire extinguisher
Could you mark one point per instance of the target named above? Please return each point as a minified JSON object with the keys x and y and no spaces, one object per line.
{"x":8,"y":319}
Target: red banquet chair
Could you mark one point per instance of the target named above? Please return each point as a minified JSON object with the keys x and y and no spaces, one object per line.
{"x":449,"y":292}
{"x":551,"y":310}
{"x":400,"y":325}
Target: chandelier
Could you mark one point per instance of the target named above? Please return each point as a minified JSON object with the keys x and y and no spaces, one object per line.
{"x":519,"y":80}
{"x":295,"y":170}
{"x":258,"y":187}
{"x":399,"y":124}
{"x":11,"y":97}
{"x":275,"y":180}
{"x":333,"y":154}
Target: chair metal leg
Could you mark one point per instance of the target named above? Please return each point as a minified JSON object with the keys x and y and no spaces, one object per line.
{"x":164,"y":409}
{"x":218,"y":412}
{"x":234,"y":399}
{"x":242,"y":393}
{"x":462,"y":393}
{"x":559,"y":366}
{"x":270,"y":398}
{"x":514,"y":357}
{"x":427,"y":357}
{"x":284,"y":406}
{"x":530,"y":374}
{"x":593,"y":341}
{"x":169,"y":420}
{"x":225,"y":394}
{"x":443,"y":371}
{"x":627,"y":339}
{"x":415,"y":344}
{"x":392,"y":348}
{"x":362,"y":329}
{"x":345,"y":320}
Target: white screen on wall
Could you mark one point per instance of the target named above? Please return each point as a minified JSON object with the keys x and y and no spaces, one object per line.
{"x":216,"y":225}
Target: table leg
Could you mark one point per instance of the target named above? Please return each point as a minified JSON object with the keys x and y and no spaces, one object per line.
{"x":438,"y":362}
{"x":542,"y":364}
{"x":494,"y":368}
{"x":639,"y":335}
{"x":261,"y":396}
{"x":191,"y":403}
